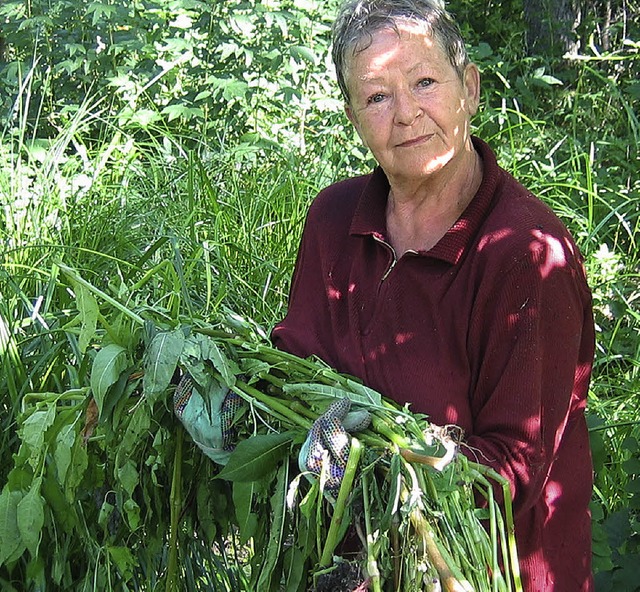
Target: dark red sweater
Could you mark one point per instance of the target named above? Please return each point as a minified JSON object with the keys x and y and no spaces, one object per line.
{"x":491,"y":329}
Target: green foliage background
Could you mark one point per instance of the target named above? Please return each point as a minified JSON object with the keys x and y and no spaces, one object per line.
{"x":168,"y":150}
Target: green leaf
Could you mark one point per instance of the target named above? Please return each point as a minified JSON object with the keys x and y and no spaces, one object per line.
{"x":62,"y":454}
{"x":175,"y":111}
{"x":206,"y":510}
{"x":33,"y":432}
{"x":317,"y":392}
{"x":270,"y":563}
{"x":128,"y":477}
{"x":88,"y":313}
{"x":294,"y":568}
{"x":110,"y":362}
{"x":545,"y":79}
{"x":11,"y":544}
{"x":139,"y":424}
{"x":160,"y":361}
{"x":243,"y":494}
{"x":220,"y":362}
{"x":77,"y":469}
{"x":625,"y":578}
{"x":632,"y":466}
{"x":303,"y":54}
{"x":30,"y":517}
{"x":124,"y":560}
{"x":132,"y":512}
{"x":199,"y":348}
{"x":633,"y":486}
{"x":64,"y":513}
{"x":363,"y":394}
{"x":255,"y":457}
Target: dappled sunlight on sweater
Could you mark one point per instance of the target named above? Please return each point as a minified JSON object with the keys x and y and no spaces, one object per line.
{"x":554,"y":255}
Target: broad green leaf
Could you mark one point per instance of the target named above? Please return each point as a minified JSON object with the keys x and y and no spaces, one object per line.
{"x":30,"y":517}
{"x":311,"y":391}
{"x":77,"y":468}
{"x":632,"y":466}
{"x":633,"y":486}
{"x":132,"y":512}
{"x":271,"y":563}
{"x":33,"y":432}
{"x":62,"y":454}
{"x":243,"y":494}
{"x":88,"y":313}
{"x":128,"y":477}
{"x":124,"y":560}
{"x":368,"y":395}
{"x":20,"y":476}
{"x":160,"y":361}
{"x":546,"y":79}
{"x":303,"y":54}
{"x":220,"y":362}
{"x":64,"y":512}
{"x":105,"y":513}
{"x":139,"y":423}
{"x":294,"y":568}
{"x":11,"y":544}
{"x":110,"y":362}
{"x":257,"y":456}
{"x":206,"y":510}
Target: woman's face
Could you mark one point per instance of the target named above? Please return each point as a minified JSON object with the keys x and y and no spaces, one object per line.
{"x":408,"y":103}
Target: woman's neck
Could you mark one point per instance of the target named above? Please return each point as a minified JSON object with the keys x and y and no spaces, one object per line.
{"x":419,"y":214}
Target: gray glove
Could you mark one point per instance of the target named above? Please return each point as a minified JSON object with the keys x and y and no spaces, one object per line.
{"x":328,"y":438}
{"x":209,"y":419}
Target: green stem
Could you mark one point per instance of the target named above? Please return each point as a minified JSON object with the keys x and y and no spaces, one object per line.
{"x":78,"y":394}
{"x":372,"y":565}
{"x":112,"y":301}
{"x":448,"y":572}
{"x":380,"y":426}
{"x":338,"y":512}
{"x":508,"y":517}
{"x":273,"y":404}
{"x":151,"y":273}
{"x":175,"y":500}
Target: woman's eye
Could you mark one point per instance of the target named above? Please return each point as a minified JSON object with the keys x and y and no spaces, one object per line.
{"x":425,"y":82}
{"x":377,"y":98}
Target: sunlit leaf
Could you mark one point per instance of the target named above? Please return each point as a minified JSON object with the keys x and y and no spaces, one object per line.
{"x":34,"y":429}
{"x":11,"y":544}
{"x":30,"y":517}
{"x":109,"y":363}
{"x":160,"y":361}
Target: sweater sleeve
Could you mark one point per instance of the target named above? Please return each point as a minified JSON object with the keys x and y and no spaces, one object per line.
{"x":533,"y":339}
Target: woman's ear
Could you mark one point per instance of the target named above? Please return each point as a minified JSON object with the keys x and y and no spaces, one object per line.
{"x":471,"y":82}
{"x":352,"y":117}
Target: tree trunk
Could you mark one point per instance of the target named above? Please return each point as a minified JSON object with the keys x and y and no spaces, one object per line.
{"x":551,"y":26}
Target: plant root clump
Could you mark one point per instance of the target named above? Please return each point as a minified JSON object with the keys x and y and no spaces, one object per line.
{"x":346,"y":576}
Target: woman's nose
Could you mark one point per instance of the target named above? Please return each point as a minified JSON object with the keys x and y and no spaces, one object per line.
{"x":407,"y":108}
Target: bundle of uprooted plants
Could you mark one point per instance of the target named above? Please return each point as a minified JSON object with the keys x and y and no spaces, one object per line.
{"x":127,"y":490}
{"x":410,"y":514}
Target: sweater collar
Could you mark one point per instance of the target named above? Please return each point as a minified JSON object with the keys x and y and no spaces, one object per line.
{"x":370,"y":218}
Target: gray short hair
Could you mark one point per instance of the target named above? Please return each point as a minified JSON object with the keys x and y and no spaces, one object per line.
{"x":358,"y":20}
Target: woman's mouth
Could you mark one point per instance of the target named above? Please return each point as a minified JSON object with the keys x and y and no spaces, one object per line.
{"x":414,"y":141}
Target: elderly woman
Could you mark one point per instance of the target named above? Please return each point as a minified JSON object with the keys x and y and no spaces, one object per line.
{"x":442,"y":282}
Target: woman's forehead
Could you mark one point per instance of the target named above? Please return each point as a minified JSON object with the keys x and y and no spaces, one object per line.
{"x":410,"y":41}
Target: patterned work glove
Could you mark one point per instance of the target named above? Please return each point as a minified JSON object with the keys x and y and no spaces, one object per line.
{"x":209,"y":422}
{"x":328,"y":438}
